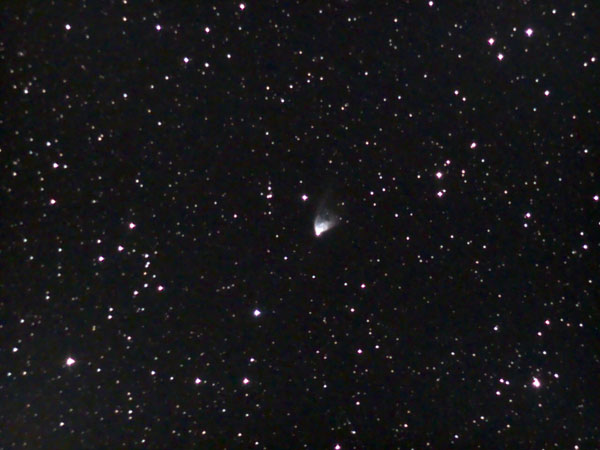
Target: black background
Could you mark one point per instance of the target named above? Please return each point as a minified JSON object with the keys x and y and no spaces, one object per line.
{"x":422,"y":320}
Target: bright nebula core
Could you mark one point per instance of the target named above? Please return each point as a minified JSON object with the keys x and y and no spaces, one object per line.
{"x":328,"y":214}
{"x":321,"y":226}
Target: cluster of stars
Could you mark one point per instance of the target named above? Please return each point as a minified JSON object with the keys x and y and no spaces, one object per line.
{"x":457,"y":238}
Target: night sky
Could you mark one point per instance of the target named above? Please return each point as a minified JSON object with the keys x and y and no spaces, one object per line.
{"x":321,"y":225}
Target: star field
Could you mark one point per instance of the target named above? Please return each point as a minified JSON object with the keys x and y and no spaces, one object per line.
{"x":329,"y":225}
